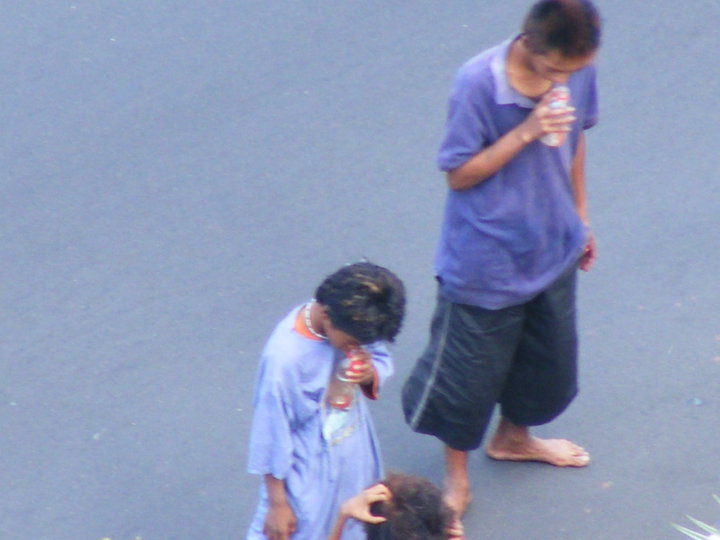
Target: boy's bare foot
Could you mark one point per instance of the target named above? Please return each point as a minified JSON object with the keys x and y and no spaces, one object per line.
{"x":558,"y":452}
{"x":514,"y":443}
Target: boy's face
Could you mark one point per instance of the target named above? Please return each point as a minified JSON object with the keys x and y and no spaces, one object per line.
{"x":337,"y":338}
{"x":555,"y":67}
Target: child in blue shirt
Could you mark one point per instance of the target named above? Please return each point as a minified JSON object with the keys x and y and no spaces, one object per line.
{"x":515,"y":231}
{"x":313,"y":456}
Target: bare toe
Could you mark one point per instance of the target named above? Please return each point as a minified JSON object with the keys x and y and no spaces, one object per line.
{"x":456,"y":530}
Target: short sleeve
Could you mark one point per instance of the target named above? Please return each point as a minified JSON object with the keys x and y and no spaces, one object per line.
{"x":270,"y":449}
{"x":382,"y":362}
{"x":465,"y":131}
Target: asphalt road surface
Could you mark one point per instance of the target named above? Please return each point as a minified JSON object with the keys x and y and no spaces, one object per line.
{"x":177,"y":175}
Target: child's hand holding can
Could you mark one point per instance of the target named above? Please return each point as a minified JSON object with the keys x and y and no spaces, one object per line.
{"x":359,"y":366}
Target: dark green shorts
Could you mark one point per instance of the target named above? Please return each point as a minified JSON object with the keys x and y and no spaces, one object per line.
{"x":523,"y":357}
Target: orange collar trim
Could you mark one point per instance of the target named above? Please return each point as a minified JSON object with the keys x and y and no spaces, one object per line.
{"x":301,"y":328}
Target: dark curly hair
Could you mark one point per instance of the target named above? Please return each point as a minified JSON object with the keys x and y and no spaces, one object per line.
{"x":571,"y":27}
{"x":416,"y":511}
{"x":364,"y":300}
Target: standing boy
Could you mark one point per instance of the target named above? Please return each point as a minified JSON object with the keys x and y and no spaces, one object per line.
{"x":314,"y":455}
{"x":515,"y":230}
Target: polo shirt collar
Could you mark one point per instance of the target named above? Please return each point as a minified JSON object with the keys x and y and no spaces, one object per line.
{"x":504,"y":93}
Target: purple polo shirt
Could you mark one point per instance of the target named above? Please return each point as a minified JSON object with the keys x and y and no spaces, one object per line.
{"x":508,"y":238}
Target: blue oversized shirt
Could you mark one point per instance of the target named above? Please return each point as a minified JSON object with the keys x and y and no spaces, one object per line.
{"x":297,"y":438}
{"x":508,"y":238}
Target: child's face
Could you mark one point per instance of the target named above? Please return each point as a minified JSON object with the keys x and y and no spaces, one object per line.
{"x":339,"y":339}
{"x":555,"y":67}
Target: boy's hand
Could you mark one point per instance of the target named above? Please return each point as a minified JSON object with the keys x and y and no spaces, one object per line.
{"x":589,"y":254}
{"x":358,"y":507}
{"x":280,"y":522}
{"x":361,"y":370}
{"x":544,"y":120}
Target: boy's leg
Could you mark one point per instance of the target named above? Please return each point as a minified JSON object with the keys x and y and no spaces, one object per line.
{"x":453,"y":388}
{"x":543,"y":381}
{"x":457,"y":485}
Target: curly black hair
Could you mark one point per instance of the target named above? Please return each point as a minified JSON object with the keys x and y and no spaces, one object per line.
{"x":364,"y":300}
{"x":415,"y":511}
{"x":571,"y":27}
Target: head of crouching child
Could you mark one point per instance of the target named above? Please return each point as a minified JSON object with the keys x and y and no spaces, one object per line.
{"x":415,"y":511}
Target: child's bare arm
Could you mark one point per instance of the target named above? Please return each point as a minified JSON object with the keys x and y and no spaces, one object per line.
{"x":491,"y":159}
{"x":577,"y":173}
{"x":280,"y":521}
{"x":358,"y":508}
{"x":338,"y":528}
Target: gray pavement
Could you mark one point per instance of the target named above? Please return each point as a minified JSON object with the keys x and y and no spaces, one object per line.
{"x":177,"y":175}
